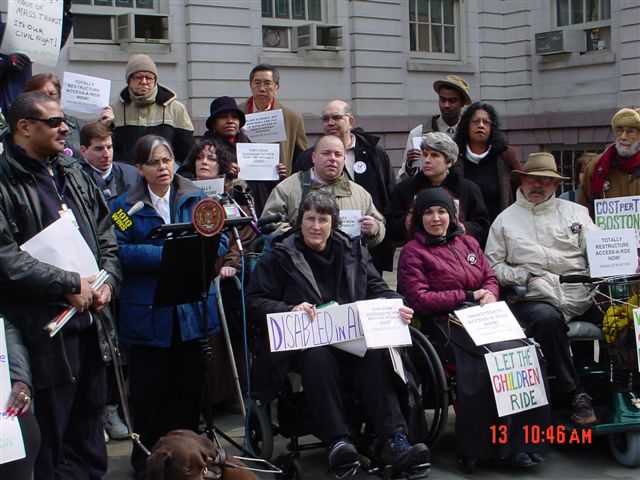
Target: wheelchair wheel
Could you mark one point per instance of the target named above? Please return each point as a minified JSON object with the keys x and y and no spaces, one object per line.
{"x":432,"y":385}
{"x":625,"y":448}
{"x":259,"y":434}
{"x":291,"y":468}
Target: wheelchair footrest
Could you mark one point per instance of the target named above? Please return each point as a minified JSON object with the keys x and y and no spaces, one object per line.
{"x":345,"y":471}
{"x":414,"y":473}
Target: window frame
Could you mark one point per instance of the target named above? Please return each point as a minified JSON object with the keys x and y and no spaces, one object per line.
{"x":287,"y":24}
{"x":457,"y":37}
{"x":577,"y":150}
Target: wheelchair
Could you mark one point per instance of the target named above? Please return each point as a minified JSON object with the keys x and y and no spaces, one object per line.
{"x":291,"y":418}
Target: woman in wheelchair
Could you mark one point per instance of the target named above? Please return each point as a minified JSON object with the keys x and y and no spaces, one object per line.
{"x":313,"y":264}
{"x":440,"y":270}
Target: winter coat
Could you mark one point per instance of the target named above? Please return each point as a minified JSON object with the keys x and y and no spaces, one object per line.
{"x":140,"y":322}
{"x":533,"y":244}
{"x":435,"y":279}
{"x":122,"y":178}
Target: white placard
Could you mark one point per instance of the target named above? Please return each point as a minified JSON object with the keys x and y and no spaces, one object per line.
{"x":11,"y":444}
{"x":62,"y":245}
{"x":213,"y":186}
{"x":349,"y":222}
{"x":258,"y":161}
{"x":636,"y":327}
{"x":612,"y":252}
{"x":34,"y":27}
{"x":417,"y":142}
{"x":490,"y":323}
{"x":618,"y":213}
{"x":265,"y":127}
{"x":516,"y":380}
{"x":354,"y":327}
{"x":83,"y":93}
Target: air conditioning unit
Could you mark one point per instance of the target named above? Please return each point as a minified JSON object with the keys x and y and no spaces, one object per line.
{"x":143,"y":28}
{"x":315,"y":36}
{"x":560,"y":41}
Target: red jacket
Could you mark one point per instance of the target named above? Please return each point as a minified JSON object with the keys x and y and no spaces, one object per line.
{"x":435,"y":278}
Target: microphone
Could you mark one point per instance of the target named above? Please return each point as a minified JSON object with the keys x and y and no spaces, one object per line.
{"x":122,"y":220}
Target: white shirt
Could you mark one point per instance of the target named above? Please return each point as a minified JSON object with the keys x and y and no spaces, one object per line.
{"x":161,"y":204}
{"x":350,"y":156}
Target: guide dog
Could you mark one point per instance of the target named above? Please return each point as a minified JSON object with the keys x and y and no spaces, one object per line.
{"x":185,"y":455}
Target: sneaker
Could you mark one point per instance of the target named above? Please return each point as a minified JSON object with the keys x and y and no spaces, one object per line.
{"x":341,"y":453}
{"x":112,"y":423}
{"x":401,"y":455}
{"x":582,"y":411}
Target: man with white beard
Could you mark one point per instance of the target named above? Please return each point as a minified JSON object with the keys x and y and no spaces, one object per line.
{"x":616,"y":173}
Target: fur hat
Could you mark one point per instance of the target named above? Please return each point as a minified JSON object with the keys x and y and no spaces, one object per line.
{"x":627,"y":117}
{"x":443,"y":143}
{"x":457,"y":83}
{"x":140,"y":63}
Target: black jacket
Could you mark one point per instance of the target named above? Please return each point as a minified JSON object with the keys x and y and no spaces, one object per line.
{"x":123,"y":178}
{"x":32,"y":292}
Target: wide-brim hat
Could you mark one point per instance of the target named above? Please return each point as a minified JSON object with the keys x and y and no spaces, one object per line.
{"x":457,"y":83}
{"x":221,"y":105}
{"x":541,"y":164}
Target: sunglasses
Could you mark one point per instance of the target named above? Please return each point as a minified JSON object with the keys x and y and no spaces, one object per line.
{"x":52,"y":122}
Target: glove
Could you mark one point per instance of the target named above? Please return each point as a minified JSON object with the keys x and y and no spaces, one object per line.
{"x":16,"y":62}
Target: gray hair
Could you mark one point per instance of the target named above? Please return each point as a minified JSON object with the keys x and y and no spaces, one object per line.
{"x":322,"y":202}
{"x":441,"y":142}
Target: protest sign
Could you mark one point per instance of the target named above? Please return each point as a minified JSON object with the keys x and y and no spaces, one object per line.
{"x":350,"y":224}
{"x":617,"y":213}
{"x":516,"y":380}
{"x":636,"y":327}
{"x":211,"y":187}
{"x":490,"y":323}
{"x":612,"y":252}
{"x":265,"y":127}
{"x":417,"y":142}
{"x":11,"y":444}
{"x":377,"y":322}
{"x":83,"y":93}
{"x":258,"y":161}
{"x":34,"y":27}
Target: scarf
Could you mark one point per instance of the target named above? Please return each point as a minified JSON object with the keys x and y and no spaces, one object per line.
{"x":144,"y":100}
{"x":251,"y":105}
{"x":476,"y":157}
{"x":608,"y":160}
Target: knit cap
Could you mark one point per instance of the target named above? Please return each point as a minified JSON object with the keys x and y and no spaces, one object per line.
{"x":140,"y":63}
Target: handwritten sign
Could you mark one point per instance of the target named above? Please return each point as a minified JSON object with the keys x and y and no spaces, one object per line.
{"x":516,"y":380}
{"x":265,"y":127}
{"x":618,"y":213}
{"x":214,"y":186}
{"x":490,"y":323}
{"x":349,"y":222}
{"x":11,"y":444}
{"x":83,"y":93}
{"x":636,"y":326}
{"x":258,"y":161}
{"x":377,"y":323}
{"x":34,"y":27}
{"x":612,"y":252}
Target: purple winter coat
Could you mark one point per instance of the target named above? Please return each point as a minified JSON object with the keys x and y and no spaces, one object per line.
{"x":435,"y":278}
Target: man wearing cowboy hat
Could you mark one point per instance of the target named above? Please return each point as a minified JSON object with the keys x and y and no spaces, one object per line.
{"x":453,"y":94}
{"x":617,"y":172}
{"x":531,"y":244}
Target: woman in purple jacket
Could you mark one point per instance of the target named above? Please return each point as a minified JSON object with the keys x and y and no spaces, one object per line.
{"x":438,"y":271}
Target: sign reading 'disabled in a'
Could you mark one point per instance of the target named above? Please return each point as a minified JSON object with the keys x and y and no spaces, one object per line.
{"x":34,"y":27}
{"x":349,"y":223}
{"x":516,"y":380}
{"x":82,"y":93}
{"x":612,"y":252}
{"x":617,"y":213}
{"x":490,"y":323}
{"x":258,"y":161}
{"x":376,"y":322}
{"x":11,"y":444}
{"x":213,"y":186}
{"x":265,"y":127}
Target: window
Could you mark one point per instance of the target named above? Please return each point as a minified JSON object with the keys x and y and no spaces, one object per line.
{"x":594,"y":16}
{"x":566,"y":157}
{"x":433,"y":27}
{"x":102,"y":21}
{"x":279,"y":17}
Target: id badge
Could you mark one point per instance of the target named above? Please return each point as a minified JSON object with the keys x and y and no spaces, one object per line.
{"x":68,"y":213}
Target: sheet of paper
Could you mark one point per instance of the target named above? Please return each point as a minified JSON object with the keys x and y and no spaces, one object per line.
{"x":612,"y":252}
{"x":11,"y":444}
{"x":350,"y":224}
{"x":35,"y":29}
{"x":381,"y":323}
{"x":265,"y":127}
{"x":62,"y":245}
{"x":490,"y":323}
{"x":82,"y":93}
{"x":258,"y":161}
{"x":417,"y":142}
{"x":211,"y":187}
{"x":396,"y":361}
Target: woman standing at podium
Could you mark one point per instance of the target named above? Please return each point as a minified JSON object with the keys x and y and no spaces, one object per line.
{"x":167,"y":367}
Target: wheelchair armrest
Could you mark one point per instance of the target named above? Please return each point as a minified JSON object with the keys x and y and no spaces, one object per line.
{"x":584,"y":331}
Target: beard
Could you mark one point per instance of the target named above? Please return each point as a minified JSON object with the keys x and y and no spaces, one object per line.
{"x":629,"y":151}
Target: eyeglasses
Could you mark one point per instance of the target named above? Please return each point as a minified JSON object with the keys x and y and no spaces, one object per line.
{"x":139,"y":77}
{"x":52,"y":122}
{"x":480,"y":121}
{"x":629,"y":131}
{"x":155,"y":162}
{"x":263,"y":83}
{"x":544,"y":181}
{"x":335,"y":118}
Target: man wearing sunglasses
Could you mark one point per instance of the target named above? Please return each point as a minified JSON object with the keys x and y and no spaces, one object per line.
{"x":39,"y":185}
{"x":148,"y":108}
